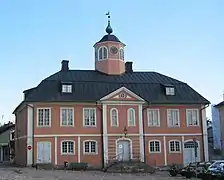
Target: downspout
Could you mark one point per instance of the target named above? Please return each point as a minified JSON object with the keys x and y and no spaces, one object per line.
{"x":143,"y":126}
{"x":202,"y":127}
{"x":32,"y":137}
{"x":101,"y":132}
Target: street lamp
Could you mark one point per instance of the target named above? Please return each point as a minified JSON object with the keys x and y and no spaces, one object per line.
{"x":125,"y":131}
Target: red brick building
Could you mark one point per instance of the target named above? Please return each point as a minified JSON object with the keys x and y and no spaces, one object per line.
{"x":110,"y":112}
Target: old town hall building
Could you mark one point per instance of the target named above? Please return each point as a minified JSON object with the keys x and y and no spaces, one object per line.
{"x":111,"y":112}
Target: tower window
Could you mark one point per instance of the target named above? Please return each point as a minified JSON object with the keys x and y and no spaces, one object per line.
{"x":121,"y":52}
{"x":103,"y":53}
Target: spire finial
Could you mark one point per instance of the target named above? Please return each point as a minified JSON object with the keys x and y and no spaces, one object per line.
{"x":109,"y":29}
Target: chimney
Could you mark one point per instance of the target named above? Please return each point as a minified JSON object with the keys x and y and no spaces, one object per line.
{"x":64,"y":65}
{"x":128,"y":67}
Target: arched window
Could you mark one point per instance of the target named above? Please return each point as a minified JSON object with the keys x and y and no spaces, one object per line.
{"x":121,"y":53}
{"x":67,"y":147}
{"x":102,"y":53}
{"x":96,"y":55}
{"x":114,"y":117}
{"x":154,"y":146}
{"x":131,"y":117}
{"x":174,"y":146}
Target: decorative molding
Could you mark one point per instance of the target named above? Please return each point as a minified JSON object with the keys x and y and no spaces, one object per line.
{"x":122,"y":89}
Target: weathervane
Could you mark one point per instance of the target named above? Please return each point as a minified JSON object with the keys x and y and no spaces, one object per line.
{"x":108,"y":15}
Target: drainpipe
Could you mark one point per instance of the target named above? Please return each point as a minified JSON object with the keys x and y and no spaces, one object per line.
{"x":200,"y":110}
{"x":101,"y":129}
{"x":143,"y":125}
{"x":32,"y":137}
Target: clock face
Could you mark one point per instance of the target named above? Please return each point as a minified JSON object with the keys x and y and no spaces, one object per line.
{"x":113,"y":50}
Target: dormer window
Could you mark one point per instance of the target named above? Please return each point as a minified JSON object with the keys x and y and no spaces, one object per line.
{"x":170,"y":91}
{"x":102,"y":53}
{"x":66,"y":88}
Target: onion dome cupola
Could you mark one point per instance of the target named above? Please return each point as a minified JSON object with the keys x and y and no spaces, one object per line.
{"x":109,"y":53}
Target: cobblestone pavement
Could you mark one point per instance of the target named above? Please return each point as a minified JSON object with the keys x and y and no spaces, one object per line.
{"x":33,"y":174}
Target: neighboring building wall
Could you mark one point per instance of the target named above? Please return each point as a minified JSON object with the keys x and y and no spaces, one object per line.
{"x":21,"y":136}
{"x":216,"y":127}
{"x":221,"y":115}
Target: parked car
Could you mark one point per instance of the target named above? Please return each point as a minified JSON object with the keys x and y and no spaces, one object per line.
{"x":216,"y":165}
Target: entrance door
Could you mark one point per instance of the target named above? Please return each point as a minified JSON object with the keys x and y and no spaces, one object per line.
{"x":43,"y":152}
{"x":123,"y":150}
{"x":189,"y":152}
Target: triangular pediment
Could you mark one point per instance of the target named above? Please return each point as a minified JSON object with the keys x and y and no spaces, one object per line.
{"x":122,"y":94}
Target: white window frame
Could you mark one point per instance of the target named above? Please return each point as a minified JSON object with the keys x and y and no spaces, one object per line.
{"x":111,"y":117}
{"x":121,"y":49}
{"x":102,"y":53}
{"x":178,"y":116}
{"x":67,"y":88}
{"x":90,"y":153}
{"x":11,"y":138}
{"x":153,"y":111}
{"x":67,"y":153}
{"x":170,"y":91}
{"x":84,"y":125}
{"x":128,"y":116}
{"x":61,"y":120}
{"x":175,"y":140}
{"x":154,"y":140}
{"x":197,"y":116}
{"x":37,"y":115}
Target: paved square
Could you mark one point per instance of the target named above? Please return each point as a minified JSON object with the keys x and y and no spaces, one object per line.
{"x":33,"y":174}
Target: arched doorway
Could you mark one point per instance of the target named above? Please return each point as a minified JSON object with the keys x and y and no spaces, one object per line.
{"x":123,"y":151}
{"x":191,"y":152}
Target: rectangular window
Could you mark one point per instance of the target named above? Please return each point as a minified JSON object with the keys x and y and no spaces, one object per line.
{"x":153,"y":118}
{"x":44,"y":117}
{"x":173,"y":118}
{"x":89,"y":117}
{"x":90,"y":147}
{"x":67,"y":116}
{"x":67,"y":147}
{"x":154,"y":146}
{"x":66,"y":88}
{"x":192,"y":116}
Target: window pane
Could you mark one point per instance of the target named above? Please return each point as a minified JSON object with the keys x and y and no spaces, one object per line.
{"x":152,"y":148}
{"x":177,"y":144}
{"x":93,"y":147}
{"x":101,"y":53}
{"x":87,"y":147}
{"x":114,"y":117}
{"x":86,"y":117}
{"x":105,"y":53}
{"x":157,"y":146}
{"x":131,"y":117}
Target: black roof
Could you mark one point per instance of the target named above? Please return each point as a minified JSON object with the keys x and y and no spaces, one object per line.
{"x":219,"y":104}
{"x":92,"y":85}
{"x":6,"y":127}
{"x":110,"y":37}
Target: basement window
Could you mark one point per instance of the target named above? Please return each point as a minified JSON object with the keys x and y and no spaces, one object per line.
{"x":170,"y":91}
{"x":66,"y":88}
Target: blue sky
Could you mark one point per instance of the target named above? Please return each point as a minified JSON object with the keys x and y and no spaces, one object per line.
{"x":182,"y":39}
